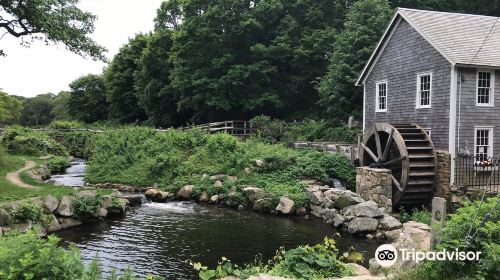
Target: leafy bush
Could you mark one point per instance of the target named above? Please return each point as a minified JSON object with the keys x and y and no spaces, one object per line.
{"x":78,"y":143}
{"x":62,"y":124}
{"x":25,"y":256}
{"x":27,"y":212}
{"x":418,"y":215}
{"x":305,"y":262}
{"x":57,"y":164}
{"x":87,"y":206}
{"x":452,"y":237}
{"x":31,"y":142}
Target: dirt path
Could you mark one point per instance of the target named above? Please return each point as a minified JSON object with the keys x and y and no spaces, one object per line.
{"x":14,"y":177}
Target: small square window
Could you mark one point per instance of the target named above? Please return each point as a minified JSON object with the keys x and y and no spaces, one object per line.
{"x":424,"y":90}
{"x":381,"y":97}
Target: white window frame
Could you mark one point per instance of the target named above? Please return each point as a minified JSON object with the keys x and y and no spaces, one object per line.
{"x":418,"y":106}
{"x":492,"y":88}
{"x":377,"y":100}
{"x":490,"y":139}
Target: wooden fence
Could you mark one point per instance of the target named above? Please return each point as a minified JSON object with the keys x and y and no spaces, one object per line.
{"x":348,"y":150}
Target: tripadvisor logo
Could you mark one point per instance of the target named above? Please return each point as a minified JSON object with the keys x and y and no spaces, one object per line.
{"x":387,"y":255}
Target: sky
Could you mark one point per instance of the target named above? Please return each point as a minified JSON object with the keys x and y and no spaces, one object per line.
{"x":42,"y":69}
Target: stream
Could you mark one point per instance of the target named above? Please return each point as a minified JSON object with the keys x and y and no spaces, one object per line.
{"x":161,"y":238}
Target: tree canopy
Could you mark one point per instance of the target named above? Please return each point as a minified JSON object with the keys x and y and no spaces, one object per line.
{"x":56,"y":21}
{"x":87,"y":101}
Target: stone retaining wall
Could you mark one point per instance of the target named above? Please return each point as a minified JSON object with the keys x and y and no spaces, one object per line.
{"x":376,"y":185}
{"x":443,"y":173}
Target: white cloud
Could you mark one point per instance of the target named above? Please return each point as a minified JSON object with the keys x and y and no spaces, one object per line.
{"x":41,"y":69}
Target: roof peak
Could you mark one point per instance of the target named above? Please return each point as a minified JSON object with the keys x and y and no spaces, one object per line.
{"x":439,"y":12}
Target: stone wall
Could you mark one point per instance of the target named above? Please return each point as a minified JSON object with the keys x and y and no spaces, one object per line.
{"x":376,"y":185}
{"x":442,"y":188}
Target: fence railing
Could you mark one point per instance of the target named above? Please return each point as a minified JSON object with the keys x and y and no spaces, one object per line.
{"x":348,"y":150}
{"x":236,"y":128}
{"x":475,"y":172}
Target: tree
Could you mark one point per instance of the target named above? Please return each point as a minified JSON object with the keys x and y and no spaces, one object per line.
{"x":119,"y":79}
{"x":87,"y":101}
{"x":10,"y":109}
{"x":152,"y":82}
{"x":38,"y":110}
{"x":169,"y":15}
{"x":53,"y":21}
{"x":365,"y":23}
{"x":60,"y":111}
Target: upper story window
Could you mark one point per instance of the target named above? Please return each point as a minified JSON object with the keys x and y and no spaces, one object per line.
{"x":424,"y":90}
{"x":381,"y":98}
{"x":483,"y":143}
{"x":485,"y":87}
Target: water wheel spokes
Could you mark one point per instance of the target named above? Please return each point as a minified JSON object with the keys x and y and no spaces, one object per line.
{"x":408,"y":152}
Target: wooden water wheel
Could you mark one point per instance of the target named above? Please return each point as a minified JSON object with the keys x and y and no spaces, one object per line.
{"x":407,"y":150}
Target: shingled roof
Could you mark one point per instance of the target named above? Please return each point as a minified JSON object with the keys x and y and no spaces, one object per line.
{"x":463,"y":39}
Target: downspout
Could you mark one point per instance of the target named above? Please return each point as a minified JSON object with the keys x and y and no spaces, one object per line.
{"x":460,"y":78}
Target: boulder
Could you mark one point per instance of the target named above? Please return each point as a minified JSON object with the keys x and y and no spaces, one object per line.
{"x":388,"y":222}
{"x":329,"y":215}
{"x":362,"y":224}
{"x":253,"y":193}
{"x":347,"y":199}
{"x":317,"y":211}
{"x":393,"y":234}
{"x":50,"y":204}
{"x":53,"y":225}
{"x":116,"y":194}
{"x":134,"y":199}
{"x":106,"y":201}
{"x":11,"y":206}
{"x":286,"y":206}
{"x":65,"y":207}
{"x":262,"y":204}
{"x":315,"y":197}
{"x":150,"y":193}
{"x":39,"y":229}
{"x":69,"y":222}
{"x":185,"y":192}
{"x":86,"y":194}
{"x":102,"y":213}
{"x":214,"y":199}
{"x":365,"y":209}
{"x":218,"y":177}
{"x":328,"y":203}
{"x":218,"y":184}
{"x":22,"y":227}
{"x":338,"y":220}
{"x":336,"y":183}
{"x":259,"y":163}
{"x":4,"y":217}
{"x":358,"y":269}
{"x":118,"y":209}
{"x":204,"y":197}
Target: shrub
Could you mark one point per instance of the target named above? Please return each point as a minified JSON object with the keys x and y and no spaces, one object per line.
{"x":25,"y":256}
{"x":27,"y":212}
{"x":78,"y":143}
{"x":57,"y":164}
{"x":62,"y":124}
{"x":305,"y":262}
{"x":418,"y":215}
{"x":31,"y":142}
{"x":86,"y":207}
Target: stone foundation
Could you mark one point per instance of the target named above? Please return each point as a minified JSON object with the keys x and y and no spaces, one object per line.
{"x":443,"y":173}
{"x":376,"y":185}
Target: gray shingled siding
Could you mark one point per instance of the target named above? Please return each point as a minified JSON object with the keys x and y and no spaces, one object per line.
{"x":406,"y":55}
{"x":472,"y":115}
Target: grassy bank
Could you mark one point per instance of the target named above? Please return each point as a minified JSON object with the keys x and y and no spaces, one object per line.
{"x":172,"y":159}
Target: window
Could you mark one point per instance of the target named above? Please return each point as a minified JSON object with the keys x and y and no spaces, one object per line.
{"x":381,"y":101}
{"x":428,"y":131}
{"x":485,"y":86}
{"x":483,"y":143}
{"x":424,"y":90}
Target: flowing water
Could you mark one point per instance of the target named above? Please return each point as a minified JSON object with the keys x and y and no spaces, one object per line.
{"x":161,"y":238}
{"x":73,"y":175}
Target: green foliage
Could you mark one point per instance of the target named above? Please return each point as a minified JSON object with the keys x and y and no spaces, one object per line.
{"x":452,"y":237}
{"x":26,"y":257}
{"x":37,"y":110}
{"x":143,"y":157}
{"x":78,"y":143}
{"x":119,"y":78}
{"x":87,"y":101}
{"x":365,"y":23}
{"x":51,"y":21}
{"x":86,"y":207}
{"x":305,"y":262}
{"x":57,"y":164}
{"x":418,"y":215}
{"x":10,"y":109}
{"x":29,"y":142}
{"x":26,"y":212}
{"x":65,"y":124}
